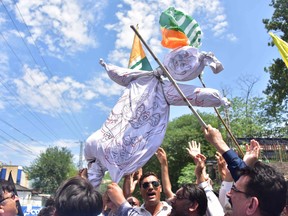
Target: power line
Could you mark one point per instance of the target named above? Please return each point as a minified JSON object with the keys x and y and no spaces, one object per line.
{"x":76,"y":123}
{"x":26,"y":148}
{"x":10,"y":47}
{"x":30,"y":111}
{"x":19,"y":32}
{"x":19,"y":131}
{"x":60,"y":96}
{"x":14,"y":149}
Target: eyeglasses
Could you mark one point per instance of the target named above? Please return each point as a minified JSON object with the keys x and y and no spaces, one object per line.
{"x":10,"y":197}
{"x":155,"y":184}
{"x":238,"y":191}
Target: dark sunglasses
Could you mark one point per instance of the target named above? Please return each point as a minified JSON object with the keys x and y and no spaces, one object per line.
{"x":155,"y":184}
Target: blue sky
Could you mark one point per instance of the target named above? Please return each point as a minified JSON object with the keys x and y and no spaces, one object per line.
{"x":53,"y":92}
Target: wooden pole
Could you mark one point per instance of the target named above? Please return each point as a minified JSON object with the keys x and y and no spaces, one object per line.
{"x":203,"y":124}
{"x":225,"y":125}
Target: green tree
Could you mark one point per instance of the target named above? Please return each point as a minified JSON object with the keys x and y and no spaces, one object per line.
{"x":179,"y":132}
{"x":277,"y":89}
{"x":252,"y":120}
{"x":187,"y":174}
{"x":50,"y":168}
{"x":246,"y":119}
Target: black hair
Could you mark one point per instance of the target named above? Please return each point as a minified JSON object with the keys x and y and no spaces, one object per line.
{"x":146,"y":175}
{"x":50,"y":202}
{"x":47,"y":211}
{"x":268,"y":186}
{"x":5,"y":186}
{"x":76,"y":196}
{"x":194,"y":193}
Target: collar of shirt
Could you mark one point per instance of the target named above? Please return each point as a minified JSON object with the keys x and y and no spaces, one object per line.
{"x":165,"y":210}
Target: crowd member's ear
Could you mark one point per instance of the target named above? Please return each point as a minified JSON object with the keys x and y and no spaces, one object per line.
{"x":193,"y":207}
{"x":253,"y":206}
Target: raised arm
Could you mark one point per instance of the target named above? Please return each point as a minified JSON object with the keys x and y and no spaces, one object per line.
{"x":214,"y":207}
{"x":234,"y":162}
{"x":120,"y":204}
{"x":162,"y":158}
{"x":227,"y":181}
{"x":194,"y":150}
{"x":130,"y":182}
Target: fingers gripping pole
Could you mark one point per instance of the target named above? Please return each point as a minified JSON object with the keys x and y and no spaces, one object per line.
{"x":203,"y":124}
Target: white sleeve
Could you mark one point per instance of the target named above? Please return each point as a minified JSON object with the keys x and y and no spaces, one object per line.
{"x":214,"y":207}
{"x":123,"y":76}
{"x":224,"y":189}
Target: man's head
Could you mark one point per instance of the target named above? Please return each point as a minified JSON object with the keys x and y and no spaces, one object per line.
{"x":76,"y":196}
{"x":8,"y":199}
{"x":150,"y":188}
{"x":47,"y":211}
{"x":259,"y":191}
{"x":189,"y":200}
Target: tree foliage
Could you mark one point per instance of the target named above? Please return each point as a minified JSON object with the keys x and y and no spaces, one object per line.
{"x":277,"y":88}
{"x":247,"y":118}
{"x":179,"y":132}
{"x":50,"y":168}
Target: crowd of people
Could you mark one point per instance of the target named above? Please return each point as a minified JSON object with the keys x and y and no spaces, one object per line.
{"x":249,"y":187}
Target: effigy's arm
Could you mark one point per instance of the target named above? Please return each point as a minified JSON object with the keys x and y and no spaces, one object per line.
{"x":201,"y":97}
{"x":123,"y":76}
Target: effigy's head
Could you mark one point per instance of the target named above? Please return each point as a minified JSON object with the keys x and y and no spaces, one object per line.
{"x":183,"y":63}
{"x":187,"y":63}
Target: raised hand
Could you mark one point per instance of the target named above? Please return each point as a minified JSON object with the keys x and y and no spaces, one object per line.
{"x":213,"y":136}
{"x":200,"y":170}
{"x":161,"y":156}
{"x":115,"y":194}
{"x":222,"y":168}
{"x":194,"y":149}
{"x":130,"y":182}
{"x":252,"y":153}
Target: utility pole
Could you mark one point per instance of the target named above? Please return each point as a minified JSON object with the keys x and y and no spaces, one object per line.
{"x":80,"y":162}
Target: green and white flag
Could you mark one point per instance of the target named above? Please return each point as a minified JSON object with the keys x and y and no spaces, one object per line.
{"x":179,"y":29}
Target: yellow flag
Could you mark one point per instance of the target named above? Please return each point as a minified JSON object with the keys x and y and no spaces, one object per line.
{"x":282,"y":47}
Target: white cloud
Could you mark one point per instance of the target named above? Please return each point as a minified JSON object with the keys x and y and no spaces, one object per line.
{"x":4,"y":62}
{"x":46,"y":95}
{"x":219,"y":28}
{"x":33,"y":150}
{"x":64,"y":26}
{"x":103,"y":85}
{"x":146,"y":14}
{"x":232,"y":37}
{"x":103,"y":107}
{"x":2,"y":19}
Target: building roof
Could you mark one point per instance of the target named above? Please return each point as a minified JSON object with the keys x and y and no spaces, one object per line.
{"x":265,"y":141}
{"x":21,"y":188}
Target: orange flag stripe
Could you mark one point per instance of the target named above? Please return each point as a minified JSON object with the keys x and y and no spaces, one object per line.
{"x":136,"y":52}
{"x":173,"y":39}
